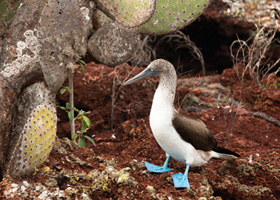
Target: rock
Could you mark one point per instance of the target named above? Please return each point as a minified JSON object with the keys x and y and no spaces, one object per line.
{"x":71,"y":190}
{"x":51,"y":182}
{"x":62,"y":151}
{"x":44,"y":195}
{"x":85,"y":196}
{"x":113,"y":45}
{"x":150,"y":189}
{"x":78,"y":160}
{"x":123,"y":178}
{"x":274,"y":95}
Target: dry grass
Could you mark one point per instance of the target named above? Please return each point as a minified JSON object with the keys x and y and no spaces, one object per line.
{"x":254,"y":55}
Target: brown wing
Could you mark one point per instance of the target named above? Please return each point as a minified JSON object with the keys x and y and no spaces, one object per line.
{"x":194,"y":131}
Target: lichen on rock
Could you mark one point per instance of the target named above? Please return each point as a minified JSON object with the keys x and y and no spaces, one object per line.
{"x":113,"y":44}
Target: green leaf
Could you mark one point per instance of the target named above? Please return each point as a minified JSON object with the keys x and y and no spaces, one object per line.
{"x":82,"y":64}
{"x":90,"y":139}
{"x":84,"y":125}
{"x":70,"y":116}
{"x":67,"y":106}
{"x":61,"y":107}
{"x":74,"y":136}
{"x":68,"y":88}
{"x":62,"y":90}
{"x":87,"y":120}
{"x":82,"y":142}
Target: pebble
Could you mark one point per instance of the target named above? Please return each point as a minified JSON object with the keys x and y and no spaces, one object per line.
{"x":43,"y":195}
{"x":26,"y":184}
{"x":23,"y":188}
{"x":150,"y":189}
{"x":123,"y":178}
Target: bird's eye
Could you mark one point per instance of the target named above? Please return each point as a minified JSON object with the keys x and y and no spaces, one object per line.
{"x":152,"y":69}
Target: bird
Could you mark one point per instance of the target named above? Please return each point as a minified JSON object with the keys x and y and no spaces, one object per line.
{"x":186,"y":139}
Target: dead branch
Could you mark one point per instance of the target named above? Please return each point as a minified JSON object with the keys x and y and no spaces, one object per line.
{"x":266,"y":117}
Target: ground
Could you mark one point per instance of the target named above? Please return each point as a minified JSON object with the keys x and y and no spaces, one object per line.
{"x":113,"y":169}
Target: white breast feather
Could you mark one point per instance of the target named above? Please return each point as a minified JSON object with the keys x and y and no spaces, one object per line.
{"x":165,"y":134}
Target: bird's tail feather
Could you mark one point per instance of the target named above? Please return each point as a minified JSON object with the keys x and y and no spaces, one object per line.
{"x":225,"y":154}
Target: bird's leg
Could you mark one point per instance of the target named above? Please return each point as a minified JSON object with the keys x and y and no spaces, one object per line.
{"x":180,"y":180}
{"x":158,"y":169}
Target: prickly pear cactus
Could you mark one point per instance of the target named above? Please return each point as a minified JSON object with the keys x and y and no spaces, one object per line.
{"x":172,"y":15}
{"x":35,"y":142}
{"x":130,"y":13}
{"x":33,"y":130}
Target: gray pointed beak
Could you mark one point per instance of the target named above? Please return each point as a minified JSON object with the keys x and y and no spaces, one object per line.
{"x":144,"y":74}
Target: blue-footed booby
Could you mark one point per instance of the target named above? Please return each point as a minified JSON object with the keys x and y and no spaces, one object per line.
{"x":186,"y":139}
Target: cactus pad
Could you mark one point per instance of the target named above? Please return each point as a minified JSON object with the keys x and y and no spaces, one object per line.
{"x":35,"y":142}
{"x":172,"y":15}
{"x":130,"y":13}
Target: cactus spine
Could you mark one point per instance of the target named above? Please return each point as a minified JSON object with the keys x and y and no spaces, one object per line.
{"x":129,"y":13}
{"x":35,"y":142}
{"x":172,"y":15}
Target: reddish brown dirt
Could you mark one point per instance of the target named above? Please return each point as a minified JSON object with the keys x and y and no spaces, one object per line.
{"x":254,"y":176}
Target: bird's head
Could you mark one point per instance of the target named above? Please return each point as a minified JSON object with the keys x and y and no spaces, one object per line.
{"x":155,"y":68}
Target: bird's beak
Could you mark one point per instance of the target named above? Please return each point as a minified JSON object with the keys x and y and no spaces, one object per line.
{"x":144,"y":74}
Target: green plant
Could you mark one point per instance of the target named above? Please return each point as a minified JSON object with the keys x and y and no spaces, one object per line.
{"x":64,"y":89}
{"x":86,"y":124}
{"x":82,"y":64}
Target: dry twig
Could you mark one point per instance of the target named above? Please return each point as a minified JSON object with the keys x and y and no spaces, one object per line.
{"x":254,"y":55}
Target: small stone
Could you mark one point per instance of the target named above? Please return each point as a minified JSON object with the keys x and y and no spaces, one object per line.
{"x":127,"y":169}
{"x":78,"y":160}
{"x":38,"y":187}
{"x":93,"y":174}
{"x":59,"y":193}
{"x":51,"y":182}
{"x":71,"y":190}
{"x":123,"y":178}
{"x":43,"y":195}
{"x":141,"y":165}
{"x":14,"y":185}
{"x":22,"y":188}
{"x":62,"y":151}
{"x":150,"y":189}
{"x":85,"y":196}
{"x":26,"y":184}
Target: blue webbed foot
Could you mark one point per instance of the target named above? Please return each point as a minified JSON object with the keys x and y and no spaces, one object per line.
{"x":156,"y":169}
{"x":180,"y":180}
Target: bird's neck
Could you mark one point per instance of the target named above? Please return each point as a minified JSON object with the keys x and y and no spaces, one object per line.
{"x":165,"y":93}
